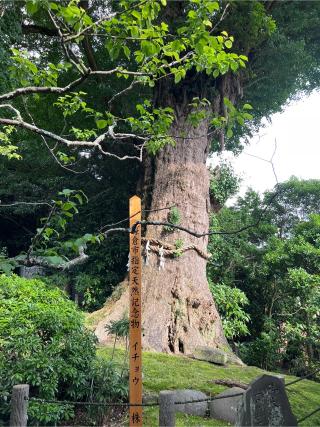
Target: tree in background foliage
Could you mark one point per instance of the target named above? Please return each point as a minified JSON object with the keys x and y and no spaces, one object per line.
{"x":184,"y":67}
{"x":276,"y":264}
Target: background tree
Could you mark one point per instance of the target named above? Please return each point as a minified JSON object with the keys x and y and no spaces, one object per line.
{"x":278,"y":273}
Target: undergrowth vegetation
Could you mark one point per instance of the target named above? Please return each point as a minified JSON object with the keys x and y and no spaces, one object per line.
{"x":45,"y":344}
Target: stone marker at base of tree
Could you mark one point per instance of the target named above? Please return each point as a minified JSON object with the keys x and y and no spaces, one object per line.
{"x":265,"y":403}
{"x":212,"y":355}
{"x":198,"y":408}
{"x":167,"y":417}
{"x":31,"y":272}
{"x":226,"y":409}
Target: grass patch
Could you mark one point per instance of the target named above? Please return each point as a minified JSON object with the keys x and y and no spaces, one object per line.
{"x":168,"y":372}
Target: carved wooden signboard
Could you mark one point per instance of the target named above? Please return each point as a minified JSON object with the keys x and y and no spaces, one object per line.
{"x":135,"y":364}
{"x":265,"y":403}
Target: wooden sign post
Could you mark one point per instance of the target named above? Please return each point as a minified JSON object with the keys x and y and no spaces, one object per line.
{"x":135,"y":364}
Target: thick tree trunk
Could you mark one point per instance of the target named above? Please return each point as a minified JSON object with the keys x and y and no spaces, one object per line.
{"x":178,"y":312}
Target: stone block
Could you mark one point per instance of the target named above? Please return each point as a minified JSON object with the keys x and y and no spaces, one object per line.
{"x":199,"y":409}
{"x":265,"y":403}
{"x":213,"y":355}
{"x":226,"y":409}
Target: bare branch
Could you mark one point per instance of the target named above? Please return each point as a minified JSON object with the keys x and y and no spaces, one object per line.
{"x":45,"y":89}
{"x":90,"y":144}
{"x":68,"y":265}
{"x":9,"y":205}
{"x":270,"y":161}
{"x":120,"y":71}
{"x":51,"y":151}
{"x":66,"y":48}
{"x":10,"y":107}
{"x":127,"y":89}
{"x":178,"y":61}
{"x":208,"y":233}
{"x":60,"y":90}
{"x":223,"y":15}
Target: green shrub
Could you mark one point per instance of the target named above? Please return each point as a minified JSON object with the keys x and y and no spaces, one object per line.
{"x":224,"y":183}
{"x":263,"y":352}
{"x":108,"y":383}
{"x":43,"y":343}
{"x":230,"y":303}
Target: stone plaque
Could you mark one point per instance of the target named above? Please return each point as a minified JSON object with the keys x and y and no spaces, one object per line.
{"x":31,"y":272}
{"x":265,"y":403}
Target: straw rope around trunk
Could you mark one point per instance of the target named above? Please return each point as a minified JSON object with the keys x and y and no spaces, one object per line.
{"x":171,"y":250}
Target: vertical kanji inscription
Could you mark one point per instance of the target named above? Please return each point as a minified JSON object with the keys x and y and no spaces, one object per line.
{"x":135,"y":364}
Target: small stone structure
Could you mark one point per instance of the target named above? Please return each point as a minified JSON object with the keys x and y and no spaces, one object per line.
{"x":216,"y":355}
{"x":265,"y":403}
{"x":226,"y":409}
{"x":198,"y":408}
{"x":213,"y":355}
{"x":31,"y":272}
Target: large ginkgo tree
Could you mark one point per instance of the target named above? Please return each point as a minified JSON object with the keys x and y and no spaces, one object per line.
{"x":176,"y":81}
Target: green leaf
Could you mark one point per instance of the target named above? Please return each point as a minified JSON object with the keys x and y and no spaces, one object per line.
{"x":136,"y":14}
{"x":211,"y":6}
{"x":228,"y":44}
{"x":32,"y":7}
{"x":207,"y":23}
{"x":67,"y":214}
{"x":67,"y":206}
{"x":54,"y":260}
{"x":79,"y":198}
{"x":62,"y":223}
{"x":148,"y":48}
{"x":229,"y":133}
{"x":126,"y":51}
{"x":66,"y":192}
{"x":192,"y":14}
{"x":215,"y":73}
{"x":101,"y":124}
{"x":48,"y":231}
{"x":53,"y":6}
{"x":240,"y":120}
{"x":247,"y":107}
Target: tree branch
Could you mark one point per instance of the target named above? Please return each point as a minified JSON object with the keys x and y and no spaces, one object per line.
{"x":68,"y":265}
{"x":9,"y":205}
{"x":59,"y":90}
{"x":36,"y":29}
{"x":208,"y":233}
{"x":46,"y":89}
{"x":90,"y":144}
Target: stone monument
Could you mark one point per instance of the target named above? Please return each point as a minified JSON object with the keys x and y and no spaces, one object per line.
{"x":265,"y":403}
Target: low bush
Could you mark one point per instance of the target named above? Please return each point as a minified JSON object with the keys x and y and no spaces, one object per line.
{"x":43,"y":342}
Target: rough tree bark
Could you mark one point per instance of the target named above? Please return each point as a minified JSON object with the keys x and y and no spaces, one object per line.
{"x":179,"y":313}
